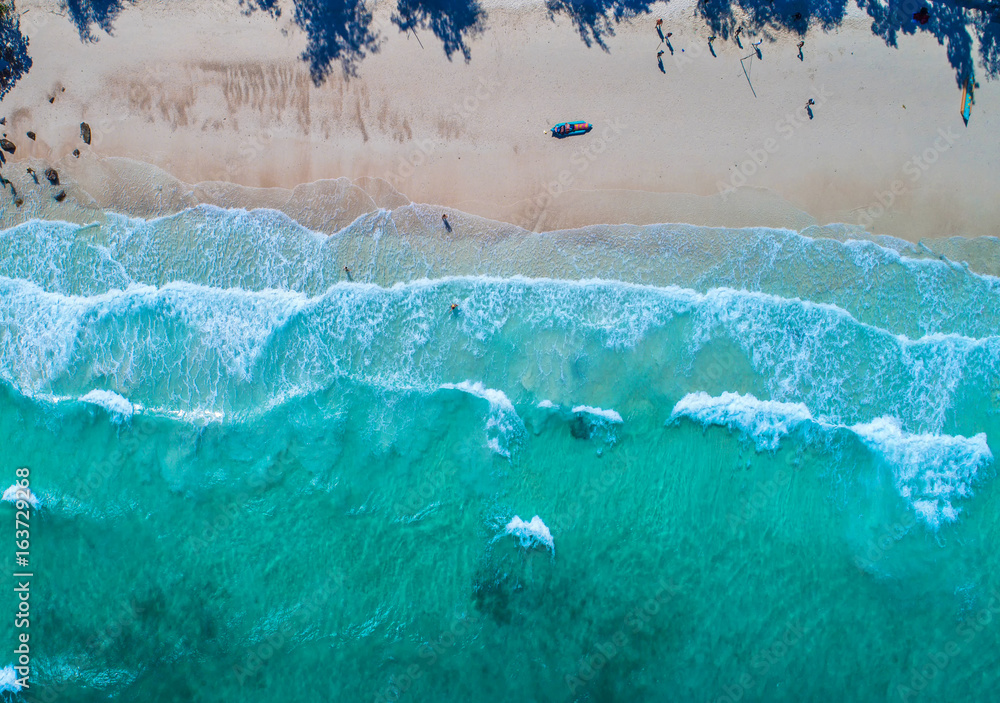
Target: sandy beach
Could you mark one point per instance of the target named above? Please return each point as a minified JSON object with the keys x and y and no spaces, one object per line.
{"x":205,"y":93}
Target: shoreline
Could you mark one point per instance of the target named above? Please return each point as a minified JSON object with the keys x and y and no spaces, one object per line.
{"x":663,"y":150}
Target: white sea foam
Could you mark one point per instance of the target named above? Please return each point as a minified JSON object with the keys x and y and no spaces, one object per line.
{"x":9,"y":680}
{"x":547,"y":405}
{"x":191,"y":347}
{"x":16,"y":493}
{"x":931,"y":470}
{"x":115,"y":404}
{"x":607,"y":415}
{"x":766,"y":421}
{"x":503,"y":426}
{"x":530,"y":534}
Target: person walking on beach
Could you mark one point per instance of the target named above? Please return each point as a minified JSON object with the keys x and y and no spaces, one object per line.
{"x":711,"y":39}
{"x":659,"y":53}
{"x":800,"y":45}
{"x":810,"y":103}
{"x":739,"y":30}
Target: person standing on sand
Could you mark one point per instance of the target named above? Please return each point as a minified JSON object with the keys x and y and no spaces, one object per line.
{"x":711,"y":39}
{"x":800,"y":45}
{"x":659,"y":53}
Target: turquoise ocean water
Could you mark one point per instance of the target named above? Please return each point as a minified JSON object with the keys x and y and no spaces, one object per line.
{"x":660,"y":463}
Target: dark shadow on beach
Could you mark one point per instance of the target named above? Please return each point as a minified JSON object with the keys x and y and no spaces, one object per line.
{"x":341,"y":31}
{"x":596,"y":19}
{"x":85,"y":14}
{"x":953,"y":24}
{"x":659,"y":63}
{"x":14,"y":59}
{"x":451,"y":21}
{"x":338,"y":32}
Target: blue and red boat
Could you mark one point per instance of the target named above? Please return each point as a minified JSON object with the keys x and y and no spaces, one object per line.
{"x":571,"y":129}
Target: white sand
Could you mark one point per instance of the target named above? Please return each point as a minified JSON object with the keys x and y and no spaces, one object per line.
{"x":208,"y":94}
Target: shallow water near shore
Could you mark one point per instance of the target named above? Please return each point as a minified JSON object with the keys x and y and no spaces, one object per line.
{"x":765,"y":459}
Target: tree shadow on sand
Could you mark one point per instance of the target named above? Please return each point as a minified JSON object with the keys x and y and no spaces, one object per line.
{"x":86,"y":13}
{"x":451,"y":21}
{"x":339,"y":31}
{"x":953,"y":23}
{"x":14,"y":59}
{"x":596,"y":19}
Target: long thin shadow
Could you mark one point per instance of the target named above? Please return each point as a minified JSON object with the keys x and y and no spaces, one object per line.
{"x":712,"y":49}
{"x":671,"y":48}
{"x":659,"y":62}
{"x":809,"y":111}
{"x":454,"y":22}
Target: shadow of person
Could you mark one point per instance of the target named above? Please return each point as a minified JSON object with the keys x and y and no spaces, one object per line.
{"x":757,"y":50}
{"x":660,"y":32}
{"x":712,"y":49}
{"x":809,"y":111}
{"x":447,"y":225}
{"x":801,"y":58}
{"x":738,"y":42}
{"x":667,"y":42}
{"x":659,"y":62}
